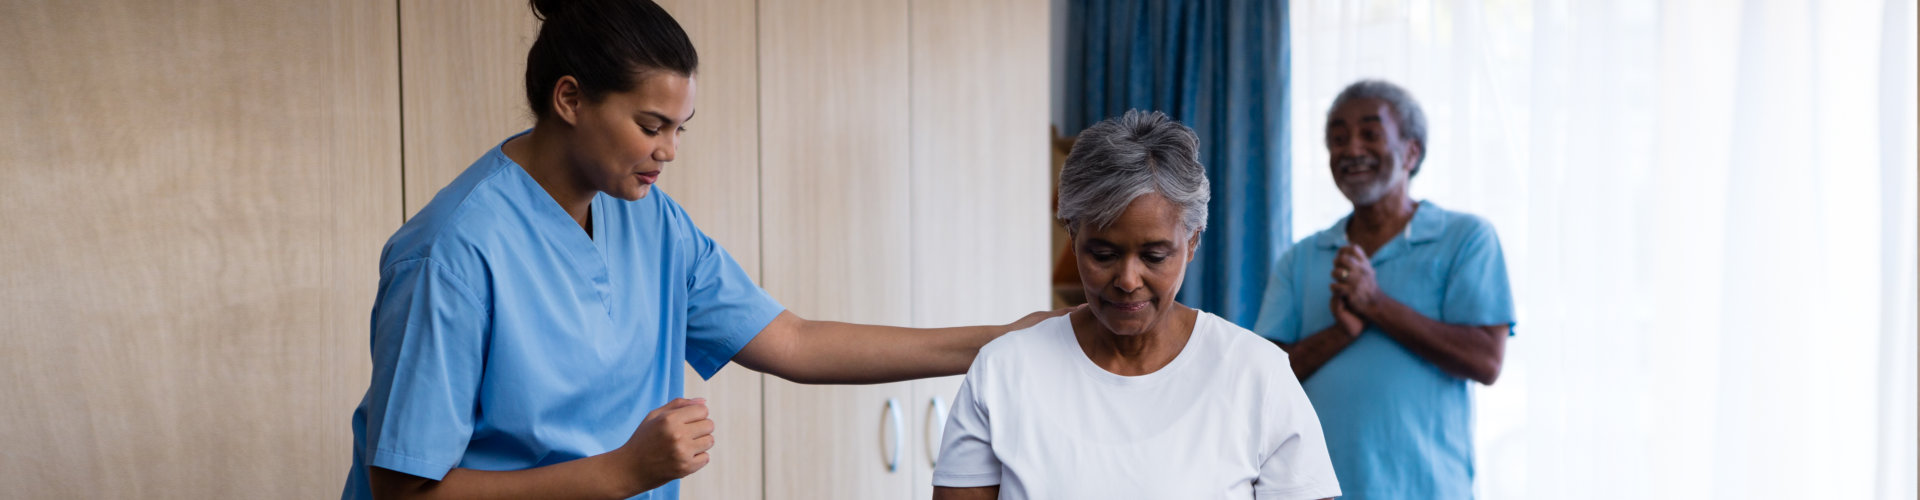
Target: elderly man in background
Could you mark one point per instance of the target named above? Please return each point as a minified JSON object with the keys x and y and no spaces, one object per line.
{"x":1387,"y":315}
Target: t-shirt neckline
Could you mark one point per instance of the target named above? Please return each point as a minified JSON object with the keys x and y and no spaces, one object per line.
{"x":1093,"y":370}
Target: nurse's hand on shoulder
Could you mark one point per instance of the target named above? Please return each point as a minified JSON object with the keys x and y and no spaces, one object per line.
{"x":670,"y":444}
{"x":1034,"y":319}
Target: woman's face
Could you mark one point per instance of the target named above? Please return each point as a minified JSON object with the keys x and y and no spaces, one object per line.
{"x":1132,"y":269}
{"x":623,"y":142}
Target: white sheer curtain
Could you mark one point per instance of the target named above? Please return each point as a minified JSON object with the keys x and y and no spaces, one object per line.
{"x":1708,"y":209}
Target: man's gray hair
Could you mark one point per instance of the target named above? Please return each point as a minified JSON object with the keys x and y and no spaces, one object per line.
{"x":1119,"y":159}
{"x":1406,"y":111}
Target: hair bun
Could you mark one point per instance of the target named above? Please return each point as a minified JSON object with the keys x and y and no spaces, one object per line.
{"x":547,"y":9}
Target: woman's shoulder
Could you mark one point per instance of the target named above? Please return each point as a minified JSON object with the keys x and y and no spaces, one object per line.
{"x":1239,"y":345}
{"x":1028,"y":342}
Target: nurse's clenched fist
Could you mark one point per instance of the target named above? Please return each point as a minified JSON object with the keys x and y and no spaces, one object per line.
{"x":670,"y":444}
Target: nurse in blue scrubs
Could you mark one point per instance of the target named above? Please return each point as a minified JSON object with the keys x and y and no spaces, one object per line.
{"x":532,"y":319}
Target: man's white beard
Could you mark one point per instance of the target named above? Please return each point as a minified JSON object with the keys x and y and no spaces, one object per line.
{"x":1383,"y":182}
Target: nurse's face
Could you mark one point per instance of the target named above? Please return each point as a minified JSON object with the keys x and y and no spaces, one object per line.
{"x":623,"y":142}
{"x":1132,"y":270}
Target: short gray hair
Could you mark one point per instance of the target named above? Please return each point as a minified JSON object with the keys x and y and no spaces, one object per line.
{"x":1119,"y":159}
{"x":1406,"y":111}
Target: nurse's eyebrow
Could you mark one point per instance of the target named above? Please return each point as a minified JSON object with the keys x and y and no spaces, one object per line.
{"x":664,"y":121}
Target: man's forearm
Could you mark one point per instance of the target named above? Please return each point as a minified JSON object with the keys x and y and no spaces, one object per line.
{"x":1313,"y":352}
{"x":1470,"y":352}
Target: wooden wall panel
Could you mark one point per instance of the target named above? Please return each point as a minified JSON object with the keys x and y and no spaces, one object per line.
{"x":463,"y":67}
{"x":980,"y":189}
{"x":193,"y":196}
{"x":834,"y":148}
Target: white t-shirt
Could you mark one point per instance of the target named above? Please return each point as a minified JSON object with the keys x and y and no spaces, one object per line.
{"x":1224,"y":419}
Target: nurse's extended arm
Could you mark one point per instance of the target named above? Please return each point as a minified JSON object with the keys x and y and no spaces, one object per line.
{"x":1467,"y":351}
{"x":830,"y":352}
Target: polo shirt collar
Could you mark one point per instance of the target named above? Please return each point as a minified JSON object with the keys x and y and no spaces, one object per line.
{"x":1427,"y":224}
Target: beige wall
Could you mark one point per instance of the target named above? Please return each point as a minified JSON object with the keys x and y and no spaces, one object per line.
{"x":193,"y":197}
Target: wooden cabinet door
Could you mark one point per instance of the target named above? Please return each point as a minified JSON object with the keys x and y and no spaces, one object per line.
{"x":836,"y":241}
{"x":462,"y":64}
{"x":980,"y":187}
{"x":193,"y":199}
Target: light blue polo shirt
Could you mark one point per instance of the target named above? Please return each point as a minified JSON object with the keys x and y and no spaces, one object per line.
{"x":505,"y":338}
{"x":1396,"y":426}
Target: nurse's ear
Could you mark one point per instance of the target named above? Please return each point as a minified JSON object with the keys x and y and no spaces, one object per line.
{"x":567,"y":100}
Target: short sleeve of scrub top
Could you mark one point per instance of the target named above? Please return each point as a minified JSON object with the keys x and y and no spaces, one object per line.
{"x":725,"y":308}
{"x":435,"y":335}
{"x":505,"y":337}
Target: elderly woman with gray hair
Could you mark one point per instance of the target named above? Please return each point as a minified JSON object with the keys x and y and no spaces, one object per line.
{"x":1136,"y":395}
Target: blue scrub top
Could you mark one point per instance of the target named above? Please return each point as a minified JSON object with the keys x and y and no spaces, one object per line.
{"x":505,"y":338}
{"x":1396,"y":426}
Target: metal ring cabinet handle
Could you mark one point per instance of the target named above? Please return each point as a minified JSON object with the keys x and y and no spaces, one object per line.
{"x":892,"y":432}
{"x":936,"y":428}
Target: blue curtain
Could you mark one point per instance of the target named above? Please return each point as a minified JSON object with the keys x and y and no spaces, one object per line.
{"x":1220,"y":67}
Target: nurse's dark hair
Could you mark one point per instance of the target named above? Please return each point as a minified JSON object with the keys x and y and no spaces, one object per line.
{"x":606,"y":45}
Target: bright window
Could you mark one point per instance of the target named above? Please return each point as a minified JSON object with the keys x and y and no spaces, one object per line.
{"x":1708,"y":211}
